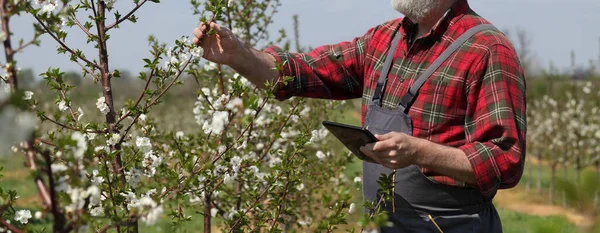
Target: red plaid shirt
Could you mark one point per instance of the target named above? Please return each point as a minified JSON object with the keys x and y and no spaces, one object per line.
{"x":475,"y":101}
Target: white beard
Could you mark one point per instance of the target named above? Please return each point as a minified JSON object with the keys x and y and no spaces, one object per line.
{"x":415,"y":10}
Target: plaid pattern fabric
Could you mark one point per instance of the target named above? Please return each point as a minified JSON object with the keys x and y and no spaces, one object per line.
{"x":475,"y":101}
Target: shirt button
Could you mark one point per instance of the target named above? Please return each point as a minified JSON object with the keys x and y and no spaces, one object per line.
{"x":401,"y":80}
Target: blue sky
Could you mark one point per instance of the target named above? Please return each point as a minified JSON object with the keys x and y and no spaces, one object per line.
{"x":556,"y":28}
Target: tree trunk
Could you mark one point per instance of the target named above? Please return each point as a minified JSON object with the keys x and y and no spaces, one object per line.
{"x":578,"y":170}
{"x":597,"y":166}
{"x":551,"y":188}
{"x":539,"y":175}
{"x":529,"y":177}
{"x":566,"y":176}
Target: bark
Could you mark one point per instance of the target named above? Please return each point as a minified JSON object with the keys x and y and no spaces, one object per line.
{"x":551,"y":188}
{"x":539,"y":175}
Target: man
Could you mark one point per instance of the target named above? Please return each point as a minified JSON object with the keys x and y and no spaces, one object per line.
{"x":455,"y":133}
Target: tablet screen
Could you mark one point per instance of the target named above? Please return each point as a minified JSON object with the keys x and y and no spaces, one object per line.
{"x":352,"y":137}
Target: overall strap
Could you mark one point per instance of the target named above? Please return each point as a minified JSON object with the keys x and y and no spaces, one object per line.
{"x":409,"y":97}
{"x":387,"y":65}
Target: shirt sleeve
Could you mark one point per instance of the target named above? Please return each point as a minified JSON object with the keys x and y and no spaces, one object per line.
{"x":328,"y":72}
{"x":495,"y":125}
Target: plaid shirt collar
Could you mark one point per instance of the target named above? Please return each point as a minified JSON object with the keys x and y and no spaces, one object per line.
{"x":452,"y":15}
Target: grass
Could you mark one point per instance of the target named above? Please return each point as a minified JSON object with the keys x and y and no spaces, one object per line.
{"x":515,"y":222}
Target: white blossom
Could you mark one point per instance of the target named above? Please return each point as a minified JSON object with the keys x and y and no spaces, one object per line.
{"x":144,"y":144}
{"x":96,"y":180}
{"x":235,"y":103}
{"x":114,"y":139}
{"x":2,"y":36}
{"x":102,"y":106}
{"x":110,"y":3}
{"x":318,"y":135}
{"x":179,"y":135}
{"x":58,"y":167}
{"x":307,"y":221}
{"x":23,"y":216}
{"x":351,"y":208}
{"x":231,"y":2}
{"x":153,"y":215}
{"x":209,"y":66}
{"x":197,"y":52}
{"x":300,"y":187}
{"x":236,"y":162}
{"x":142,"y":118}
{"x":219,"y":120}
{"x":213,"y":212}
{"x":357,"y":179}
{"x":154,"y":210}
{"x":49,"y":6}
{"x":94,"y":193}
{"x":38,"y":215}
{"x":62,"y":105}
{"x":28,"y":95}
{"x":133,"y":177}
{"x":80,"y":111}
{"x":321,"y":155}
{"x":81,"y":147}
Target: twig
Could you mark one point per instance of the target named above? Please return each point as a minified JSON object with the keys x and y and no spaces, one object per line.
{"x":262,"y":195}
{"x":280,"y":130}
{"x":207,"y":216}
{"x":149,"y":79}
{"x":169,"y":86}
{"x":94,"y":9}
{"x":280,"y":207}
{"x":39,"y":140}
{"x":63,"y":45}
{"x":221,"y":82}
{"x":126,"y":16}
{"x":110,"y":193}
{"x":63,"y":94}
{"x":87,"y":32}
{"x":24,"y":45}
{"x":69,"y":127}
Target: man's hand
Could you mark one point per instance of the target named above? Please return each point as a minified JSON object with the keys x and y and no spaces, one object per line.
{"x":222,"y":48}
{"x":393,"y":150}
{"x":225,"y":48}
{"x":398,"y":150}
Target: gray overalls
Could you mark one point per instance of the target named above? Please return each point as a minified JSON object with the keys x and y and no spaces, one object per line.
{"x":454,"y":209}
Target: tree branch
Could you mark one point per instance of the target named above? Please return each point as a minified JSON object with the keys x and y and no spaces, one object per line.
{"x":126,"y":16}
{"x":59,"y":220}
{"x":63,"y":45}
{"x":262,"y":195}
{"x":87,"y":32}
{"x":30,"y":153}
{"x":25,"y":45}
{"x":10,"y":227}
{"x":69,"y":127}
{"x":137,"y":102}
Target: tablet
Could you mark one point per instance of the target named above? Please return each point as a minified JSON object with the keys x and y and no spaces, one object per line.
{"x":352,"y":137}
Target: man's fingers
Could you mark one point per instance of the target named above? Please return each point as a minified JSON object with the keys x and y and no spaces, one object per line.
{"x":384,"y":145}
{"x":197,"y":35}
{"x":386,"y":136}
